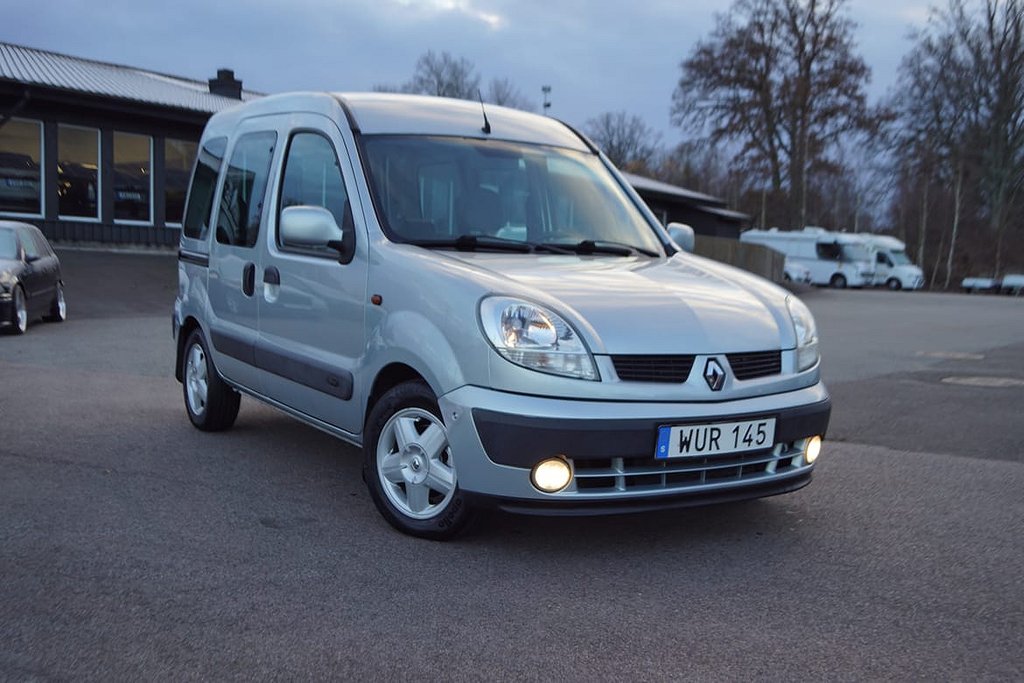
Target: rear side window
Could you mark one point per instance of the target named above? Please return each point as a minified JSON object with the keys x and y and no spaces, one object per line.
{"x":829,"y":251}
{"x":245,"y":185}
{"x":312,"y":177}
{"x":204,"y":180}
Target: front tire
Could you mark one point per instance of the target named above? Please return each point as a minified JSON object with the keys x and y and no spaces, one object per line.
{"x":408,"y":465}
{"x":211,"y":404}
{"x":19,"y":312}
{"x":58,"y":307}
{"x":838,"y":281}
{"x":894,"y":284}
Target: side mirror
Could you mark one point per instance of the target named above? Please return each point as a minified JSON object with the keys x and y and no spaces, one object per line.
{"x":31,"y":258}
{"x":314,"y":226}
{"x":682,"y":235}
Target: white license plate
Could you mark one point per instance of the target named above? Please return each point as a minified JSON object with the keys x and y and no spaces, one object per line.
{"x":682,"y":441}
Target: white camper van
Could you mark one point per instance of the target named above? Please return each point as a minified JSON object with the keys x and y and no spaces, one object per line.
{"x":893,"y":269}
{"x":835,"y":259}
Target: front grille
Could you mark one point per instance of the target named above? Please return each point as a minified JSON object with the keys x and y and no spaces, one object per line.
{"x":754,"y":365}
{"x":635,"y":475}
{"x":670,"y":369}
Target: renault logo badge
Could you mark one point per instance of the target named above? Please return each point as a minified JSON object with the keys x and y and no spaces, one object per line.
{"x":714,"y":375}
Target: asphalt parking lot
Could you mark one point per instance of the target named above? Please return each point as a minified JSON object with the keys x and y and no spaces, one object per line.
{"x":133,"y":546}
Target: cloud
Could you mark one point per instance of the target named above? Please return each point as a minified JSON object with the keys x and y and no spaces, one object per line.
{"x":465,"y":8}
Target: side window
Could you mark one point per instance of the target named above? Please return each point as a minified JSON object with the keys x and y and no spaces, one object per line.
{"x":41,"y":244}
{"x":204,"y":180}
{"x":828,"y":251}
{"x":29,"y":244}
{"x":312,"y":177}
{"x":245,"y":184}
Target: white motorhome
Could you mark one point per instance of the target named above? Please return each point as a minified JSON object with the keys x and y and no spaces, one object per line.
{"x":835,"y":259}
{"x":893,"y":268}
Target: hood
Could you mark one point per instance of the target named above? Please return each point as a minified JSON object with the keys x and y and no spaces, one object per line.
{"x":637,"y":305}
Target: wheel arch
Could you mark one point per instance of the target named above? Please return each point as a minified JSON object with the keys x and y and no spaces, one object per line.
{"x":389,"y":377}
{"x":190,"y":323}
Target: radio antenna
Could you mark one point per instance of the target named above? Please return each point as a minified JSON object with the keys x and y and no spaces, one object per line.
{"x":487,"y":124}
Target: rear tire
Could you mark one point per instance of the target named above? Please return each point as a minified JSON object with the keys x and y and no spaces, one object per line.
{"x":58,"y":307}
{"x":408,"y":465}
{"x":838,"y":281}
{"x":211,"y":404}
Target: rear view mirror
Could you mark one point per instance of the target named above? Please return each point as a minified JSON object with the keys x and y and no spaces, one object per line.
{"x":682,"y":235}
{"x":314,"y":226}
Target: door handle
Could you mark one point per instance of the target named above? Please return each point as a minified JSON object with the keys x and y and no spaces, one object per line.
{"x":249,"y":279}
{"x":271,"y":276}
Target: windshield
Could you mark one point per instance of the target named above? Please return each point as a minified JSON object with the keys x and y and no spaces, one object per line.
{"x":433,"y":189}
{"x":855,"y":252}
{"x":8,"y":245}
{"x":899,"y":258}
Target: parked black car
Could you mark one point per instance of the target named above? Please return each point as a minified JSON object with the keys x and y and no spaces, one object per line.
{"x":30,"y":280}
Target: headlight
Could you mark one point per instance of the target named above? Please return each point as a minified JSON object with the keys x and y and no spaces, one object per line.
{"x":534,"y":337}
{"x":806,"y":333}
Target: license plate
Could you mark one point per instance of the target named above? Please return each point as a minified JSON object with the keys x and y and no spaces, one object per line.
{"x":681,"y":441}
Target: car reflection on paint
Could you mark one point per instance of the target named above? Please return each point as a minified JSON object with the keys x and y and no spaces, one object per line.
{"x":30,"y":278}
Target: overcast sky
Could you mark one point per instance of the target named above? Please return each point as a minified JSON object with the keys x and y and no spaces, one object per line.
{"x":597,"y":55}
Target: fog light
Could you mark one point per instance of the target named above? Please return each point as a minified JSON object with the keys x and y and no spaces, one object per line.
{"x":551,"y":475}
{"x":812,"y":449}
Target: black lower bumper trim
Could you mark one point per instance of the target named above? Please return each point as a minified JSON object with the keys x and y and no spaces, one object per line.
{"x":521,"y":441}
{"x":586,"y":508}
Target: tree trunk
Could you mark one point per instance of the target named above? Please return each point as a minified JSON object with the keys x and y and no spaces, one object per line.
{"x":957,"y":199}
{"x":923,"y":227}
{"x":938,"y":261}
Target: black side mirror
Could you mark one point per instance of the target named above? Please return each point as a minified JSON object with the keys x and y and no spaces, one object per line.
{"x":346,"y":246}
{"x":31,"y":258}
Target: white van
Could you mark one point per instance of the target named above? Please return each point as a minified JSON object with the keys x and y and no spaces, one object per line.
{"x":893,"y":268}
{"x":835,"y":259}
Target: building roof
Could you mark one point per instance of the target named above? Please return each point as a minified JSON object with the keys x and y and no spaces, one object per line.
{"x":642,"y":184}
{"x":32,"y":66}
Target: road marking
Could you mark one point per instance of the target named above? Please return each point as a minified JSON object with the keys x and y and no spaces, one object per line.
{"x":991,"y":382}
{"x":952,"y":355}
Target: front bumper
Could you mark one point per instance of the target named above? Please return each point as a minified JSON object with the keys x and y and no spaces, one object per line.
{"x":6,"y":309}
{"x":497,"y":438}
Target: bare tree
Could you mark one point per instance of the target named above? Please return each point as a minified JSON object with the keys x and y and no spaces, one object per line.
{"x":961,"y":117}
{"x":445,"y":76}
{"x":781,"y":79}
{"x":629,"y":142}
{"x":501,"y":91}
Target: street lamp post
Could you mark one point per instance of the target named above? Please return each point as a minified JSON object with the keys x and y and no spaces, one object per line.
{"x":546,"y":89}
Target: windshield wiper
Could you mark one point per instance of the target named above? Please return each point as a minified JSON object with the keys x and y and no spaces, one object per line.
{"x":586,"y":247}
{"x":475,"y":242}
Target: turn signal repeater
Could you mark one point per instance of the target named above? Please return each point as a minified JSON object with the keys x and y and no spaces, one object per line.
{"x":551,"y":475}
{"x":812,"y":449}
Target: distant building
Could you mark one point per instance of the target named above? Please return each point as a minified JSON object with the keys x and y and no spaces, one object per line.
{"x":707,"y":215}
{"x":91,"y":151}
{"x":98,"y":152}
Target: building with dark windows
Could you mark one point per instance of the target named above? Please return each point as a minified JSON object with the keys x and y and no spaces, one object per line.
{"x":99,"y":152}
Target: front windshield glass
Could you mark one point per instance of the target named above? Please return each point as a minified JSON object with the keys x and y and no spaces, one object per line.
{"x":899,"y":258}
{"x":438,"y":189}
{"x":8,"y":245}
{"x":855,"y":252}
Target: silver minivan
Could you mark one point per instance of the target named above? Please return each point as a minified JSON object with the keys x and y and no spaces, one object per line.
{"x":475,"y":297}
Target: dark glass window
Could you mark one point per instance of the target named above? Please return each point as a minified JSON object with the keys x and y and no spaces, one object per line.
{"x":204,"y":181}
{"x":178,"y":158}
{"x":20,"y":179}
{"x":245,"y":184}
{"x":829,"y":251}
{"x":78,"y":163}
{"x":312,"y":177}
{"x":132,"y":177}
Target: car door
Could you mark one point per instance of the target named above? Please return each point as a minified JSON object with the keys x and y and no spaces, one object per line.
{"x":312,"y":335}
{"x":34,"y":279}
{"x":234,"y":257}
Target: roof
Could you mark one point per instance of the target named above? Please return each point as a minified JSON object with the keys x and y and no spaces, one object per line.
{"x":32,"y":66}
{"x":642,"y":184}
{"x":383,"y":113}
